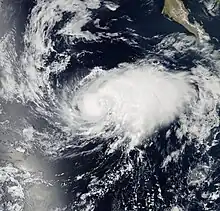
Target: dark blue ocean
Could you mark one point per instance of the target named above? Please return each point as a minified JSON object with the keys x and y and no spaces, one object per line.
{"x":148,"y":180}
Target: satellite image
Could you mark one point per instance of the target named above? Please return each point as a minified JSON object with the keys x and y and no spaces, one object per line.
{"x":109,"y":105}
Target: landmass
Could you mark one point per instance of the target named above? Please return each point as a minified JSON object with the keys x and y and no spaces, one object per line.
{"x":176,"y":10}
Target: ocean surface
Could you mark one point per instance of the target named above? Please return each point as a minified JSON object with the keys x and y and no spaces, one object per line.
{"x":108,"y":106}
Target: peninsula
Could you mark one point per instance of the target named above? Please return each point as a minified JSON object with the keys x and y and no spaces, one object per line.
{"x":176,"y":10}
